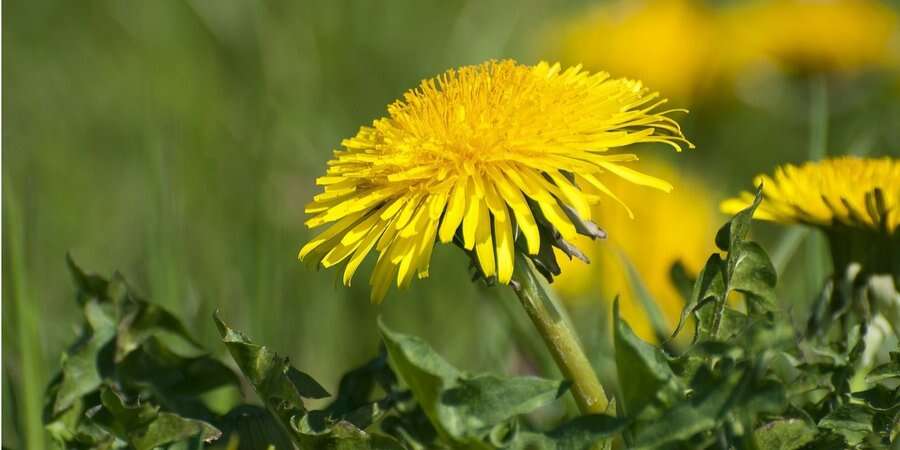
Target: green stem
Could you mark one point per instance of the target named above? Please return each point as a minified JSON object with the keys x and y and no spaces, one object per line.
{"x":818,"y":138}
{"x":560,"y":339}
{"x":818,"y":118}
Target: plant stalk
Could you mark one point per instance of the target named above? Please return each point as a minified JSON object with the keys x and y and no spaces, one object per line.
{"x":559,"y":337}
{"x":818,"y":149}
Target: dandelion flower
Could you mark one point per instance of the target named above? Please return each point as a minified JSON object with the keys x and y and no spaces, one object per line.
{"x":839,"y":192}
{"x":667,"y":43}
{"x":810,"y":35}
{"x":854,"y":201}
{"x":492,"y":157}
{"x":667,"y":229}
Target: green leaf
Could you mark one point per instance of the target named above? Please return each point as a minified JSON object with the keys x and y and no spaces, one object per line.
{"x":737,"y":229}
{"x":464,"y":409}
{"x":853,"y":422}
{"x":753,"y":274}
{"x":255,"y":428}
{"x":343,"y":435}
{"x":355,"y":390}
{"x":422,"y":369}
{"x":880,"y":397}
{"x":144,"y":426}
{"x":589,"y":432}
{"x":731,"y":322}
{"x":886,"y":371}
{"x":89,"y":286}
{"x":710,"y":286}
{"x":474,"y":405}
{"x":82,"y":366}
{"x":682,"y":280}
{"x":171,"y":375}
{"x":645,"y":367}
{"x":275,"y":380}
{"x":281,"y":387}
{"x":687,"y":418}
{"x":786,"y":434}
{"x":141,"y":320}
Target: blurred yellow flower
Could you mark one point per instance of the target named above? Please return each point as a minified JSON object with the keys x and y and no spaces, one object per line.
{"x":686,"y":49}
{"x":667,"y":43}
{"x":475,"y":156}
{"x":809,"y":35}
{"x":667,"y":228}
{"x":829,"y":193}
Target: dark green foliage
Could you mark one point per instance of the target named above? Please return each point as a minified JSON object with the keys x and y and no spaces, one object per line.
{"x":748,"y":380}
{"x":282,"y":389}
{"x":480,"y":411}
{"x":136,"y":379}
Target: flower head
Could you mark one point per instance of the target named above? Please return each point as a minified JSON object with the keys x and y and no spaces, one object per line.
{"x":847,"y":191}
{"x":490,"y":157}
{"x":667,"y":229}
{"x":811,"y":35}
{"x":667,"y":43}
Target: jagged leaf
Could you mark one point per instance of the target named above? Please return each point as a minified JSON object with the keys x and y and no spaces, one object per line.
{"x":474,"y":405}
{"x":141,"y":320}
{"x":731,"y":322}
{"x":737,"y":229}
{"x":89,"y":286}
{"x":275,"y":380}
{"x":82,"y":366}
{"x":255,"y":429}
{"x":787,"y":434}
{"x":853,"y":422}
{"x":752,"y":273}
{"x":283,"y":388}
{"x":710,"y":286}
{"x":463,"y":409}
{"x":590,"y":432}
{"x":171,"y":375}
{"x":689,"y":417}
{"x":357,"y":385}
{"x":886,"y":371}
{"x":144,"y":427}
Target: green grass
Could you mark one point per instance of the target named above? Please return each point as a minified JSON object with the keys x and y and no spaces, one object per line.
{"x":30,"y":374}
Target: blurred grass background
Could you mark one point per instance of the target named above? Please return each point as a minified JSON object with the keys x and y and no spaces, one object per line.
{"x":178,"y":142}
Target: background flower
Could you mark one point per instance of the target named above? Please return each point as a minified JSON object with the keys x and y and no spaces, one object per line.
{"x":691,"y":50}
{"x":668,"y":44}
{"x":809,"y":35}
{"x":830,"y":193}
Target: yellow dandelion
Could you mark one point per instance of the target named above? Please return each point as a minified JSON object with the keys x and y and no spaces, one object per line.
{"x":491,"y":157}
{"x":667,"y":228}
{"x":846,"y":191}
{"x":810,"y":35}
{"x":667,"y":43}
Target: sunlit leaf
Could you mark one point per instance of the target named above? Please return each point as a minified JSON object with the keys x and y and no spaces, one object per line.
{"x":787,"y":434}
